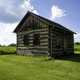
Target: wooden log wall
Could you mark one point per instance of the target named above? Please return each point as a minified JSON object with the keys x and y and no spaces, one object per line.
{"x":62,"y":41}
{"x":42,"y":31}
{"x":69,"y":43}
{"x":57,"y":41}
{"x":52,"y":39}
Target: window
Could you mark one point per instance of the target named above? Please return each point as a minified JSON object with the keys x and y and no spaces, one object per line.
{"x":36,"y":40}
{"x":59,"y":44}
{"x":26,"y":40}
{"x":35,"y":25}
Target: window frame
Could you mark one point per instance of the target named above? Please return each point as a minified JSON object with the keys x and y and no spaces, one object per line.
{"x":26,"y":40}
{"x":36,"y":39}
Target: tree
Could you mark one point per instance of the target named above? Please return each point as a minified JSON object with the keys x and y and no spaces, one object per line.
{"x":77,"y":43}
{"x":12,"y":45}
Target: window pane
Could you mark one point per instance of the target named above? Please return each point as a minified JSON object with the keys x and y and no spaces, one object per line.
{"x":36,"y":40}
{"x":26,"y":40}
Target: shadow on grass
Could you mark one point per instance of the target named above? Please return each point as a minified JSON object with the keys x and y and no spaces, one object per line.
{"x":74,"y":58}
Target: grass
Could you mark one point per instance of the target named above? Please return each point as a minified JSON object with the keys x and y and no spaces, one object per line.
{"x":37,"y":68}
{"x":14,"y":67}
{"x":7,"y":50}
{"x":77,"y":48}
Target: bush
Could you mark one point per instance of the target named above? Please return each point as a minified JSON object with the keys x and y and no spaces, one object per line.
{"x":7,"y":50}
{"x":77,"y":43}
{"x":12,"y":45}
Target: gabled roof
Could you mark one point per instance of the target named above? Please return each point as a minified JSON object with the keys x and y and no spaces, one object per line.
{"x":51,"y":22}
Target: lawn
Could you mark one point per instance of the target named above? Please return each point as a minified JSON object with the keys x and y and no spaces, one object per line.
{"x":14,"y":67}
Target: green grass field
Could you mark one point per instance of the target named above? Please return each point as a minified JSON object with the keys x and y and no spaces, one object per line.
{"x":14,"y":67}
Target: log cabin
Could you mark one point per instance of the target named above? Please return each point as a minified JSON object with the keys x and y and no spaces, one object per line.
{"x":37,"y":35}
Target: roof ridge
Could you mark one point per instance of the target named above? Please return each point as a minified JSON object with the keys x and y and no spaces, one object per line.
{"x":48,"y":20}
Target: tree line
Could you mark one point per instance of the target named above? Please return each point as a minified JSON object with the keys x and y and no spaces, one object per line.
{"x":10,"y":45}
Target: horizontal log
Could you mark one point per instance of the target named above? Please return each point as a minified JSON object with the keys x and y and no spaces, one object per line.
{"x":20,"y":45}
{"x":43,"y":35}
{"x":41,"y":38}
{"x":44,"y":45}
{"x":20,"y":39}
{"x":31,"y":41}
{"x":44,"y":38}
{"x":36,"y":47}
{"x":32,"y":31}
{"x":44,"y":41}
{"x":39,"y":51}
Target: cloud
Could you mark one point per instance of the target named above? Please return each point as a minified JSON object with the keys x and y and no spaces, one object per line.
{"x":57,"y":12}
{"x":11,"y":12}
{"x":7,"y":38}
{"x":27,"y":6}
{"x":14,"y":10}
{"x":7,"y":17}
{"x":6,"y":35}
{"x":77,"y":37}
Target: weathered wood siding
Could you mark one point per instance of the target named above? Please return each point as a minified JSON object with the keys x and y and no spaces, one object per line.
{"x":69,"y":43}
{"x":53,"y":40}
{"x":61,"y":42}
{"x":57,"y":39}
{"x":42,"y":31}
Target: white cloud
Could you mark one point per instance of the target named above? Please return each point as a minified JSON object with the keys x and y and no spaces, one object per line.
{"x":57,"y":12}
{"x":6,"y":33}
{"x":27,"y":6}
{"x":15,"y":8}
{"x":77,"y":37}
{"x":7,"y":28}
{"x":7,"y":38}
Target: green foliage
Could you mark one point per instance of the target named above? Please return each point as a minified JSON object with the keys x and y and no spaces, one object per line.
{"x":12,"y":45}
{"x":7,"y":50}
{"x":77,"y":43}
{"x":0,"y":45}
{"x":77,"y":48}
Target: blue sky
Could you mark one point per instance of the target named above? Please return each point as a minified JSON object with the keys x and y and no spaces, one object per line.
{"x":65,"y":12}
{"x":71,"y":10}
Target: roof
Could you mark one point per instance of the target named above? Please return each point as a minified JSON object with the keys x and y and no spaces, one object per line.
{"x":51,"y":22}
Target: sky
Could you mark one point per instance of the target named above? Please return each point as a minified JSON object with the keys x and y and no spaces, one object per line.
{"x":64,"y":12}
